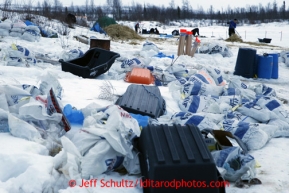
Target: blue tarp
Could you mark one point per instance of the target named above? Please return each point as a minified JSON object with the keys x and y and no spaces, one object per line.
{"x":97,"y":28}
{"x":27,"y":22}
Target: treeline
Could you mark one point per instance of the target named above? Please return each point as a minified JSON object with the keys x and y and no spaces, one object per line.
{"x":138,"y":12}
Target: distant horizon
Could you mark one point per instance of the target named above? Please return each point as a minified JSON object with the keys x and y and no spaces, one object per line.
{"x":217,"y":5}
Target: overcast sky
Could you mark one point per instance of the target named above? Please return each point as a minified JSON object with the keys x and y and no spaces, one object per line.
{"x":217,"y":4}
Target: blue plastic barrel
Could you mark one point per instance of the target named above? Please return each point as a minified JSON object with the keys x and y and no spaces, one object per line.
{"x":246,"y":63}
{"x":275,"y":65}
{"x":265,"y":64}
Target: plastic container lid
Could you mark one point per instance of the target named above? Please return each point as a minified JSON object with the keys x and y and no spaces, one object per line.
{"x":183,"y":30}
{"x":189,"y":33}
{"x":139,"y":75}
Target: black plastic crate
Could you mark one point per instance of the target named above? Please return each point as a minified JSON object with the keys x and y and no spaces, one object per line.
{"x":93,"y":63}
{"x":176,"y":154}
{"x":143,"y":100}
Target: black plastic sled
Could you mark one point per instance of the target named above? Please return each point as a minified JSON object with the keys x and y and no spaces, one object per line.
{"x":93,"y":63}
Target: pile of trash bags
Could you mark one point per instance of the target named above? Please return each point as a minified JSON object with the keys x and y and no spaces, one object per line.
{"x":31,"y":33}
{"x":5,"y":27}
{"x":215,"y":48}
{"x":16,"y":55}
{"x":251,"y":114}
{"x":17,"y":29}
{"x":20,"y":29}
{"x":103,"y":144}
{"x":208,"y":98}
{"x":25,"y":30}
{"x":20,"y":56}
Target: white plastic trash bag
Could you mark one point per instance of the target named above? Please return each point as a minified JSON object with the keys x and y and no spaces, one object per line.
{"x":235,"y":162}
{"x":84,"y":140}
{"x":106,"y":140}
{"x":178,"y":71}
{"x":198,"y":88}
{"x":99,"y":159}
{"x":216,"y":48}
{"x":22,"y":129}
{"x":240,"y":117}
{"x":48,"y":81}
{"x":217,"y":75}
{"x":89,"y":110}
{"x":33,"y":90}
{"x":132,"y":166}
{"x":3,"y":102}
{"x":19,"y":51}
{"x":262,"y":89}
{"x":71,"y":54}
{"x":255,"y":136}
{"x":36,"y":110}
{"x":6,"y":25}
{"x":150,"y":46}
{"x":68,"y":160}
{"x":15,"y":34}
{"x":14,"y":95}
{"x":121,"y":121}
{"x":209,"y":104}
{"x":31,"y":33}
{"x":201,"y":121}
{"x":4,"y":127}
{"x":16,"y":55}
{"x":202,"y":76}
{"x":129,"y":64}
{"x":182,"y":80}
{"x":255,"y":111}
{"x":231,"y":91}
{"x":283,"y":127}
{"x":165,"y":77}
{"x":196,"y":104}
{"x":274,"y":105}
{"x":247,"y":93}
{"x":4,"y":32}
{"x":19,"y":24}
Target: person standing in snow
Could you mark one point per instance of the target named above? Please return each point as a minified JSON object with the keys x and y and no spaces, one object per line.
{"x":136,"y":27}
{"x":232,"y":26}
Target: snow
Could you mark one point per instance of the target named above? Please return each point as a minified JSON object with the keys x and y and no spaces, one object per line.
{"x":26,"y":166}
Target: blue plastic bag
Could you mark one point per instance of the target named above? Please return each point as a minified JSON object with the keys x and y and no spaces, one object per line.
{"x":162,"y":55}
{"x":73,"y":115}
{"x":142,"y":120}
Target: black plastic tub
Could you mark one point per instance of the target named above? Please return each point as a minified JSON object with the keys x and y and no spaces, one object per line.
{"x":93,"y":63}
{"x":265,"y":40}
{"x":176,"y":154}
{"x":143,"y":100}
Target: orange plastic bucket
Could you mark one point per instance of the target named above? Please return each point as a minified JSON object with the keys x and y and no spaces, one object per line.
{"x":140,"y":76}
